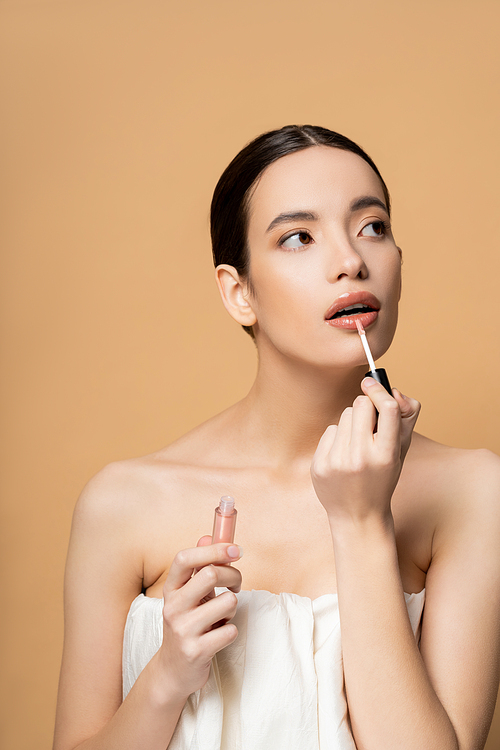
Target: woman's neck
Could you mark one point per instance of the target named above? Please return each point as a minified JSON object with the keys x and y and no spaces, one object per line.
{"x":290,"y":405}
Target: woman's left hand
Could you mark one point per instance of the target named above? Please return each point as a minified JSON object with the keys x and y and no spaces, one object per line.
{"x":355,"y":470}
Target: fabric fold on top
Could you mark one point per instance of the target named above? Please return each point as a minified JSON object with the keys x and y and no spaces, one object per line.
{"x":280,"y":684}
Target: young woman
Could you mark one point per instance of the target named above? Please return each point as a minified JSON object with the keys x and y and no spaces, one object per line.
{"x":339,"y":536}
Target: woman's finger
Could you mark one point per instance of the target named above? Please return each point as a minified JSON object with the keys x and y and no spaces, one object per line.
{"x":326,"y":443}
{"x":205,"y":581}
{"x":217,"y":639}
{"x":220,"y":608}
{"x":410,"y":409}
{"x":204,"y":541}
{"x":345,"y":426}
{"x":389,"y":415}
{"x":187,"y":560}
{"x":364,"y":418}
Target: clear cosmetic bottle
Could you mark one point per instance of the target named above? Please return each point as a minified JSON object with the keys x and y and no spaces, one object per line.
{"x":224,"y":520}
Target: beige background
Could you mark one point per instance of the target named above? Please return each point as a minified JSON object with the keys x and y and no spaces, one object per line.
{"x":118,"y":118}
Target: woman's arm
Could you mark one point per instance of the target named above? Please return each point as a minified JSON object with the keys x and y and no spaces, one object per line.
{"x":441,"y":697}
{"x":103,"y":576}
{"x":460,"y":642}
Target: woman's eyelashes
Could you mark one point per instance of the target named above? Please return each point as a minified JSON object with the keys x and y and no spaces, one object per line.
{"x":377,"y":228}
{"x":294,"y":240}
{"x":302,"y":238}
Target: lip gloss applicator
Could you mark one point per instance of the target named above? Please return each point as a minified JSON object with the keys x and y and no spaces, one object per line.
{"x":377,"y":373}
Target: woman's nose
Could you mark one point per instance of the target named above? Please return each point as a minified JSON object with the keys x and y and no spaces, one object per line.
{"x":344,"y":260}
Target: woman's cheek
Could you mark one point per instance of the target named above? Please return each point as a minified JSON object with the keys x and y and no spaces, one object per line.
{"x":281,"y":303}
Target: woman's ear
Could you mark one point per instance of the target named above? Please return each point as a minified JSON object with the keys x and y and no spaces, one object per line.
{"x":235,"y":294}
{"x":401,"y":277}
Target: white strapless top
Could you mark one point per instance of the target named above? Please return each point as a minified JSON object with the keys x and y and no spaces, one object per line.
{"x":280,"y":685}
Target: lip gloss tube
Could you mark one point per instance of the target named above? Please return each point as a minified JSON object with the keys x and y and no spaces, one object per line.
{"x":224,"y":520}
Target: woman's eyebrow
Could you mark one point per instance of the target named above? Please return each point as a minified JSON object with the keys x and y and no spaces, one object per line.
{"x":285,"y":217}
{"x":366,"y":201}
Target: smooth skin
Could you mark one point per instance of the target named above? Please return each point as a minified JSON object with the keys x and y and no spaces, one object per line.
{"x":383,"y":509}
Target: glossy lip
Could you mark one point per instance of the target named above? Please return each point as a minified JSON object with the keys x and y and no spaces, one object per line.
{"x":353,"y":298}
{"x":349,"y":322}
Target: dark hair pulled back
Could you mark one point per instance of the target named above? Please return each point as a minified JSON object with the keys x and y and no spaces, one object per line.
{"x":229,"y":209}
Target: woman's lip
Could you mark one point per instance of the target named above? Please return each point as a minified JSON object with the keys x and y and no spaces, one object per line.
{"x":352,"y":298}
{"x":349,"y":321}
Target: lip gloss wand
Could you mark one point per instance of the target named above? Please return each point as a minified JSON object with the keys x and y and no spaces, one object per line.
{"x":377,"y":373}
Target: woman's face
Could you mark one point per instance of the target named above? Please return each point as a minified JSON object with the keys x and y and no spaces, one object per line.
{"x":318,"y":229}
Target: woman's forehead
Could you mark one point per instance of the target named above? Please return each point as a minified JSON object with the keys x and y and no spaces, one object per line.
{"x":320,"y":179}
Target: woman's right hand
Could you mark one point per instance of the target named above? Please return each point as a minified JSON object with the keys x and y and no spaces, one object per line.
{"x":190,"y":611}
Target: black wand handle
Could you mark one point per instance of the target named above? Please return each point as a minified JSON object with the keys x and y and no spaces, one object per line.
{"x":380,"y":376}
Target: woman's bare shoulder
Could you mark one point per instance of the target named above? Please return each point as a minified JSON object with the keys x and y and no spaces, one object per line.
{"x":425,"y":450}
{"x":128,"y":486}
{"x":456,"y":474}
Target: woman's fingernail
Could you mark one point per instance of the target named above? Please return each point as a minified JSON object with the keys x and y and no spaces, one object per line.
{"x":368,"y":382}
{"x":234,"y":551}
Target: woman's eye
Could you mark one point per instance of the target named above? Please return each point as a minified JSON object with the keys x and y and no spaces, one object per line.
{"x":375,"y":229}
{"x":298,"y":239}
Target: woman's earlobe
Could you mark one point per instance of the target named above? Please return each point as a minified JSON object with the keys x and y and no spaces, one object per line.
{"x":235,"y":294}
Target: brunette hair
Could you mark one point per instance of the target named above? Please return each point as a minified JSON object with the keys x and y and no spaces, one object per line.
{"x":229,"y":209}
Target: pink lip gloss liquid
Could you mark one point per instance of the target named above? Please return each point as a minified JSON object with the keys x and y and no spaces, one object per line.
{"x":224,"y":520}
